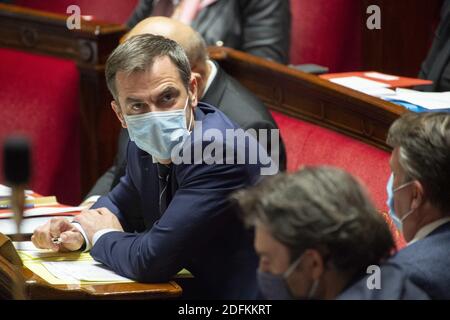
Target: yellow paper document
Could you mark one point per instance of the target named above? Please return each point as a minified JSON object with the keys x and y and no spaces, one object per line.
{"x":71,"y":268}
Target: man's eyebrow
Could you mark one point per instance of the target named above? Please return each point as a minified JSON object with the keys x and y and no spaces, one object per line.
{"x":167,"y":90}
{"x":129,"y":100}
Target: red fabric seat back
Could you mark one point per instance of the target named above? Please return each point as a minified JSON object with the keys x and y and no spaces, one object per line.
{"x":39,"y":99}
{"x":328,"y":33}
{"x":117,"y":11}
{"x":309,"y":144}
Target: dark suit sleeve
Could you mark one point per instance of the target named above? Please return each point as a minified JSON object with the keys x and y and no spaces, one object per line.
{"x":196,"y":212}
{"x":437,"y":61}
{"x":266,"y":29}
{"x":143,"y":10}
{"x":122,"y":200}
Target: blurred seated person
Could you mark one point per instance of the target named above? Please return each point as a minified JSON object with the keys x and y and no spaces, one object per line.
{"x":420,"y":198}
{"x":215,"y":87}
{"x":436,"y":66}
{"x":259,"y":27}
{"x":316,"y":233}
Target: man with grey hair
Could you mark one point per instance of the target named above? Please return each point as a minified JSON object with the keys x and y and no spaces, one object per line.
{"x":420,"y":197}
{"x":316,"y":234}
{"x":185,"y":219}
{"x":215,"y":87}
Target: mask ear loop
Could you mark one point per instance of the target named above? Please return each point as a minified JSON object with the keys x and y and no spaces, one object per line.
{"x":312,"y":292}
{"x":192,"y":116}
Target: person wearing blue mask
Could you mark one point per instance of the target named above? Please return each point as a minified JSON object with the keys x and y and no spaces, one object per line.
{"x":185,"y":219}
{"x":390,"y":202}
{"x":316,"y":233}
{"x":420,"y":164}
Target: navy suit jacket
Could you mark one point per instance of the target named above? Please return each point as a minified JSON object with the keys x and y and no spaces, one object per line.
{"x":427,"y":262}
{"x":199,"y":230}
{"x":395,"y":285}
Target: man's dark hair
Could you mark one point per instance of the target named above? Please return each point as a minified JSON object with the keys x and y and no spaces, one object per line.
{"x":320,"y":208}
{"x":423,"y":140}
{"x":138,"y":54}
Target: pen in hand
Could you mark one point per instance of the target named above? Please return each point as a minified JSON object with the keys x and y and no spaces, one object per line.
{"x":57,"y":240}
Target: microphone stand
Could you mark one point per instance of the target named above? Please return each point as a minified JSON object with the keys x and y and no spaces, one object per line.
{"x":18,"y":206}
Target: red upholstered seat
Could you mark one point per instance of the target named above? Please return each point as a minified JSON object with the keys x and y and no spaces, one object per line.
{"x":309,"y":144}
{"x":39,"y":97}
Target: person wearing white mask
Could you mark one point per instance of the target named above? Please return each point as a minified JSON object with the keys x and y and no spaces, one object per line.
{"x":186,"y":219}
{"x":420,"y":197}
{"x":316,"y":233}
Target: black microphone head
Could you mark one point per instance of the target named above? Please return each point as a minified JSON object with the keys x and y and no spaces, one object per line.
{"x":16,"y":160}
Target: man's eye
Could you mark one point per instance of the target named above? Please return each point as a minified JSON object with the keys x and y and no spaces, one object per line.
{"x":137,"y":106}
{"x":167,"y":98}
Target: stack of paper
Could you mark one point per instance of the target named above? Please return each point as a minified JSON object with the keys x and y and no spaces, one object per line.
{"x":427,"y":100}
{"x":370,"y":87}
{"x":66,"y":268}
{"x":5,"y":192}
{"x":9,"y":227}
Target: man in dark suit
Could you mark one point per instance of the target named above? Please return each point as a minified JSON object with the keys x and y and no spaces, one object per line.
{"x":181,"y":184}
{"x":259,"y":27}
{"x":420,"y":164}
{"x":317,"y":234}
{"x":436,"y":66}
{"x":215,"y":87}
{"x":394,"y":284}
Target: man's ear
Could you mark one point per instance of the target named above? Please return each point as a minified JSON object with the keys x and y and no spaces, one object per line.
{"x":314,"y":263}
{"x":193,"y":90}
{"x":418,"y":195}
{"x":200,"y":84}
{"x":118,"y":113}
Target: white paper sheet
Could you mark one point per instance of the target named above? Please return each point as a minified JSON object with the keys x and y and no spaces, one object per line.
{"x":83,"y":271}
{"x":359,"y":83}
{"x":381,"y":76}
{"x":5,"y":191}
{"x":43,"y":211}
{"x":8,"y":226}
{"x":427,"y":100}
{"x":25,"y":246}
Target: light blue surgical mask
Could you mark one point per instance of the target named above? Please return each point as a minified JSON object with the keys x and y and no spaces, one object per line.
{"x":159,"y":131}
{"x":390,"y":202}
{"x":275,"y":286}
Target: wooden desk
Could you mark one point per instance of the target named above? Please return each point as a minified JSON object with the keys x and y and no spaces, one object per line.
{"x":37,"y":288}
{"x":308,"y":97}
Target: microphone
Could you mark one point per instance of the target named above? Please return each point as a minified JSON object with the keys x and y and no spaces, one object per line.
{"x":16,"y":167}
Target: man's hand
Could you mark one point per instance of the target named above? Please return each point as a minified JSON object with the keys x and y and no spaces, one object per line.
{"x":97,"y":219}
{"x":71,"y":238}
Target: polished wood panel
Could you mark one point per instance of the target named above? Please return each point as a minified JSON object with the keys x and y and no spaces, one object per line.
{"x":308,"y":97}
{"x":37,"y":288}
{"x":46,"y":33}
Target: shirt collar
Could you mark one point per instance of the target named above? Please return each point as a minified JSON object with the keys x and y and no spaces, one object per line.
{"x":429,"y":228}
{"x":211,"y":77}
